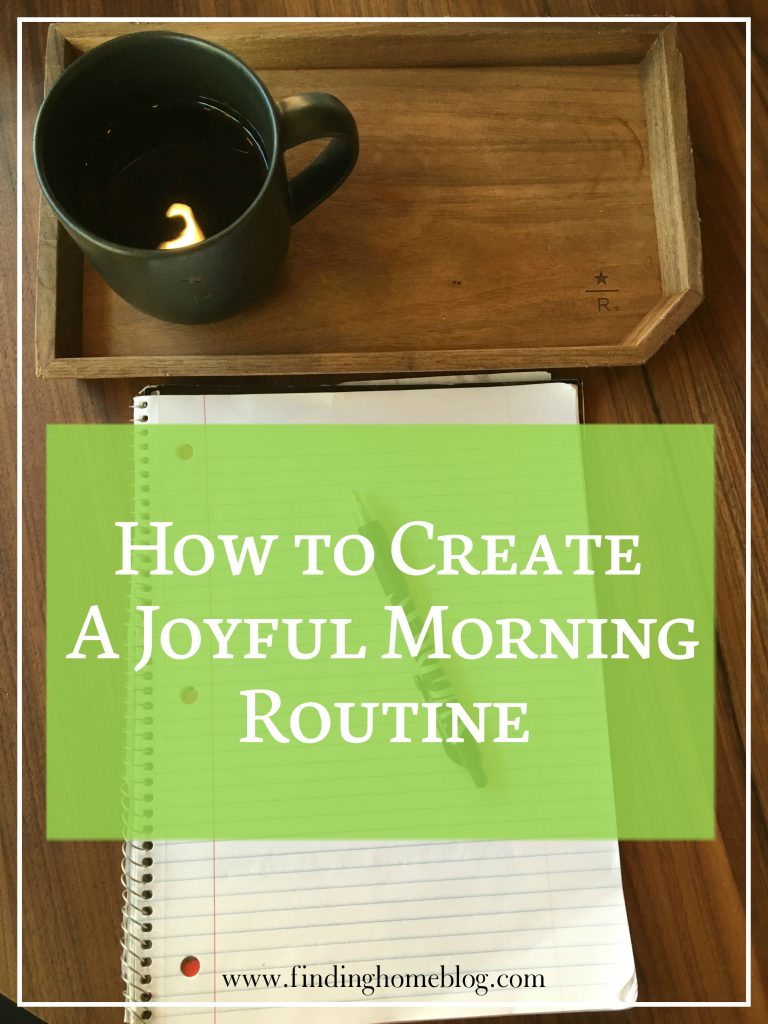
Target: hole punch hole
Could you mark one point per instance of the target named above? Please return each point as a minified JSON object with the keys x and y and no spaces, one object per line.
{"x":185,"y":452}
{"x":189,"y":695}
{"x":189,"y":966}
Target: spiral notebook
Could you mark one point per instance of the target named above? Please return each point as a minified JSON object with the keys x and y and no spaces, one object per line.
{"x":238,"y":923}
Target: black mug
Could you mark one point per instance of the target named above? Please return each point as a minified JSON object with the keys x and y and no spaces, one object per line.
{"x":239,"y":263}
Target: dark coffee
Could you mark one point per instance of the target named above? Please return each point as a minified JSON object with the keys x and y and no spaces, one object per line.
{"x":118,"y":180}
{"x":169,"y":174}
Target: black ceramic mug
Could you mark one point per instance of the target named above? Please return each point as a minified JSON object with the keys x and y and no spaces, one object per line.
{"x":150,"y":82}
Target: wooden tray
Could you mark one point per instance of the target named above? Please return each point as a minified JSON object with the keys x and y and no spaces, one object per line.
{"x":524,"y":198}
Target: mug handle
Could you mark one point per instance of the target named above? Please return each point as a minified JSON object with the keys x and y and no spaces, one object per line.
{"x":318,"y":115}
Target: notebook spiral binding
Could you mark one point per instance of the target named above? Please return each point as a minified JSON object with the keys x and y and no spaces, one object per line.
{"x":138,"y":750}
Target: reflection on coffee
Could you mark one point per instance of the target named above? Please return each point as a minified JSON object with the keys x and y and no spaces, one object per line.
{"x":190,"y":233}
{"x":169,"y":174}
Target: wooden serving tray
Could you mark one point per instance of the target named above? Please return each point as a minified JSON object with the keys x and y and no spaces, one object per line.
{"x":524,"y":198}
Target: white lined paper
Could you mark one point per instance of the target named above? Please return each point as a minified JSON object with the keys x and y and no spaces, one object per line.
{"x":554,"y":908}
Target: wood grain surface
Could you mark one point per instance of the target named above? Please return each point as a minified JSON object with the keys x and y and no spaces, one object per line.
{"x":686,"y":901}
{"x":508,"y":187}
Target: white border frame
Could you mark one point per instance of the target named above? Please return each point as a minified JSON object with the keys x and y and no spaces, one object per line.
{"x":563,"y":1007}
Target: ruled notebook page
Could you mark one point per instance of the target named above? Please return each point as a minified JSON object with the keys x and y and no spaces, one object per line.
{"x":485,"y":908}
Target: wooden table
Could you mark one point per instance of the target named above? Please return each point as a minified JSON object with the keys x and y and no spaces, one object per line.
{"x":686,"y":901}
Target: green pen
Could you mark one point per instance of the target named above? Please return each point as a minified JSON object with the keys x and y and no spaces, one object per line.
{"x":432,"y":681}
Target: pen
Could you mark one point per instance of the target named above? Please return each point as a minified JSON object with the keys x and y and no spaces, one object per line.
{"x":432,"y":680}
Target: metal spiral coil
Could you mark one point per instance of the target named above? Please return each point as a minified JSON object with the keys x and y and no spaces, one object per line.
{"x":136,"y":943}
{"x":138,"y":750}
